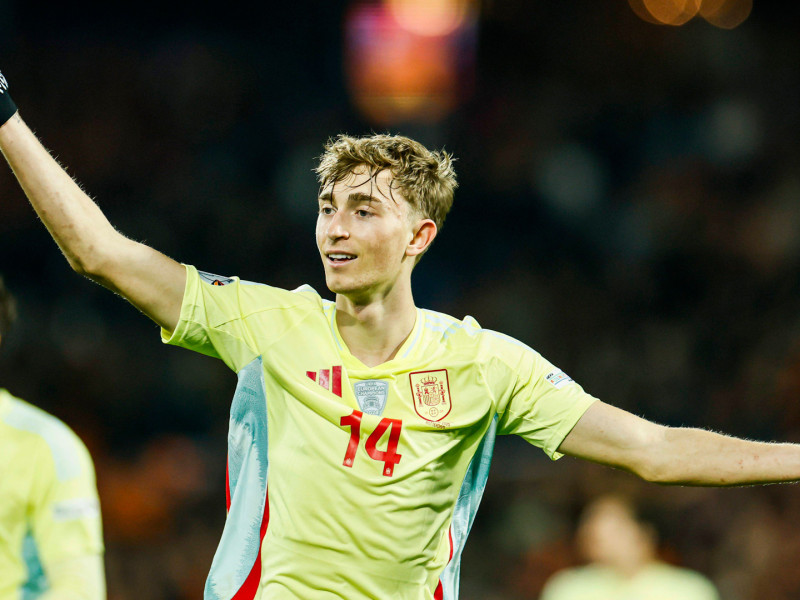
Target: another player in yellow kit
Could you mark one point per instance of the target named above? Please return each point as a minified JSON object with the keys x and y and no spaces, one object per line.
{"x":51,"y":543}
{"x":361,"y":430}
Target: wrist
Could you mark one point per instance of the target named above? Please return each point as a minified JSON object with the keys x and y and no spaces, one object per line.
{"x":7,"y":106}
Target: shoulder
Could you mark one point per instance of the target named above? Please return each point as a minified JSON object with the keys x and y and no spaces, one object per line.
{"x":578,"y":583}
{"x":251,"y":296}
{"x":45,"y":436}
{"x":466,"y":335}
{"x":683,"y":578}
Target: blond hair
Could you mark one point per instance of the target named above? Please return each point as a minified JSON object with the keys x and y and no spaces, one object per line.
{"x":425,"y":178}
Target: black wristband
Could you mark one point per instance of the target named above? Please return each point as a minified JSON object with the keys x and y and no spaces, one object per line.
{"x":7,"y":106}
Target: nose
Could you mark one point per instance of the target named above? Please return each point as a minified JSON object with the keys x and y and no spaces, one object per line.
{"x":337,"y":227}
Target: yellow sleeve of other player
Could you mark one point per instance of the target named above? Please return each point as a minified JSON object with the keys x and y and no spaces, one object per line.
{"x":215,"y":314}
{"x":55,"y":539}
{"x":65,"y":508}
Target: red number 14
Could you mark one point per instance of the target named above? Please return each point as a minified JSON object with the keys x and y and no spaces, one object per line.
{"x":388,"y":457}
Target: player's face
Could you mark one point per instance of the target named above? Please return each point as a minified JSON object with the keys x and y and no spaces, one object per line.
{"x":364,"y":229}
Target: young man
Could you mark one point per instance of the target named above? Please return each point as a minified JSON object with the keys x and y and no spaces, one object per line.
{"x":361,"y":430}
{"x":51,"y":543}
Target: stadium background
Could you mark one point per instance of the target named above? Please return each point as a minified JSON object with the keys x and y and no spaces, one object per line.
{"x":628,"y":206}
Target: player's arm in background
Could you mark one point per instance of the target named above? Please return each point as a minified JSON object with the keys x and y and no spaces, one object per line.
{"x":151,"y":281}
{"x":677,"y":455}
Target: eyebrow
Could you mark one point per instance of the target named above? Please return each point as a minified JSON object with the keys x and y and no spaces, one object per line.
{"x":355,"y":198}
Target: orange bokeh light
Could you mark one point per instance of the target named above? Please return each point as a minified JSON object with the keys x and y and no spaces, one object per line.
{"x":673,"y":12}
{"x":430,"y":17}
{"x":726,"y":14}
{"x":411,"y":66}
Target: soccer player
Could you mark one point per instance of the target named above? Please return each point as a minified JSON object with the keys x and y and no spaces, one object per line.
{"x":51,"y":544}
{"x":623,"y":564}
{"x":361,"y":430}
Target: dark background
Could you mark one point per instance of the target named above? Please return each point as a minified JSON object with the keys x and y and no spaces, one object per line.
{"x":628,"y":206}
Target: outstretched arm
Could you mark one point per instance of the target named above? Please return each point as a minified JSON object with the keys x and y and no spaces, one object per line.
{"x":672,"y":455}
{"x":148,"y":279}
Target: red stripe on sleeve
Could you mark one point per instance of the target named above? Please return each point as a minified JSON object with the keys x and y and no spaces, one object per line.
{"x":336,"y":384}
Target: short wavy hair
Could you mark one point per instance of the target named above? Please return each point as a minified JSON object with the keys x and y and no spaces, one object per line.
{"x":8,"y":309}
{"x":425,"y":178}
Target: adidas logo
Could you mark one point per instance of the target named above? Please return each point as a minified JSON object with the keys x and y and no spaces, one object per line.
{"x":330,"y":379}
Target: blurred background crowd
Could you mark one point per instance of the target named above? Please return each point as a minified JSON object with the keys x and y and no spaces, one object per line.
{"x":629,"y":206}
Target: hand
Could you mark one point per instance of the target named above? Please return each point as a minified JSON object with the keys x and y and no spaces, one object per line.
{"x":7,"y":107}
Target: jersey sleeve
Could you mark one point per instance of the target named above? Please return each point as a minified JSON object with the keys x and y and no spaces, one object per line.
{"x":65,"y":512}
{"x":227,"y":318}
{"x":536,"y":400}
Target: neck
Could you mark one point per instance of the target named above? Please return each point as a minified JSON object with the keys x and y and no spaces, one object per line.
{"x":375,"y":330}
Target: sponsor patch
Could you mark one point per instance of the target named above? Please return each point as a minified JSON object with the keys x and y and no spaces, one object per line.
{"x":431,"y":393}
{"x":76,"y":508}
{"x":371,"y":395}
{"x":212,"y":279}
{"x":558,"y":378}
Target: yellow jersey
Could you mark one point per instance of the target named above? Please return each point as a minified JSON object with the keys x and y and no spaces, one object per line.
{"x":656,"y":581}
{"x":49,"y":508}
{"x":355,"y":482}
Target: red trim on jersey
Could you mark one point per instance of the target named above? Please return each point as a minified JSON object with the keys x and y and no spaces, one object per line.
{"x":439,"y":593}
{"x":336,"y":384}
{"x":227,"y":487}
{"x":250,"y":586}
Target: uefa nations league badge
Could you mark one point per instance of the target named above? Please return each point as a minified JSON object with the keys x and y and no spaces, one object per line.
{"x":371,"y":395}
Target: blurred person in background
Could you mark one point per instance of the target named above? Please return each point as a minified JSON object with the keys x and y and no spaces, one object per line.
{"x":51,"y":543}
{"x":621,"y":551}
{"x":372,"y":422}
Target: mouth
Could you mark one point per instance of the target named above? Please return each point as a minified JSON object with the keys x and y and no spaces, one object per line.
{"x":339,"y":258}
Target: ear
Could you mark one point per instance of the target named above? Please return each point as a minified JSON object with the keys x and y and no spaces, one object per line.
{"x":424,"y":232}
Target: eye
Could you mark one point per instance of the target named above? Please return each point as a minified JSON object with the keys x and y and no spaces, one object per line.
{"x":326,"y":209}
{"x":363,"y":213}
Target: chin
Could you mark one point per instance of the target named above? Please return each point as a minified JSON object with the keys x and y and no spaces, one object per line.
{"x":345,"y":288}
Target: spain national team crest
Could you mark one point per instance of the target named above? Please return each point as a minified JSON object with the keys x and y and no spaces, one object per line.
{"x":431,"y":392}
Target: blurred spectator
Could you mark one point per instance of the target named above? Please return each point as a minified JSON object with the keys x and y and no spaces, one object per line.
{"x":622,"y":555}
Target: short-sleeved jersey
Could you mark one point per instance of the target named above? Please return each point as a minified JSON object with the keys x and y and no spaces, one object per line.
{"x":657,"y":581}
{"x":348,"y":481}
{"x":49,"y":508}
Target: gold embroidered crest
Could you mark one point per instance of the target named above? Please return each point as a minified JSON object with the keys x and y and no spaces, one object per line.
{"x":431,"y":393}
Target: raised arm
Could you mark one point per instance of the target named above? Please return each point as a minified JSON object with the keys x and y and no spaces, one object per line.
{"x":677,"y":456}
{"x":148,"y":279}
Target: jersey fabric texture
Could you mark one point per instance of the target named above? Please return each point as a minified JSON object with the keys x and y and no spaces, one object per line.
{"x":49,"y":508}
{"x":657,"y":581}
{"x":351,"y":482}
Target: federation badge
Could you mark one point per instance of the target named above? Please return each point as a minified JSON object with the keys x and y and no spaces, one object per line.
{"x":431,"y":392}
{"x":371,"y":395}
{"x":214,"y":279}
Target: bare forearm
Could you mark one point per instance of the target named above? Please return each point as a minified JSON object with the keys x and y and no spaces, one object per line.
{"x":150,"y":280}
{"x":698,"y":457}
{"x":677,"y":456}
{"x":76,"y":223}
